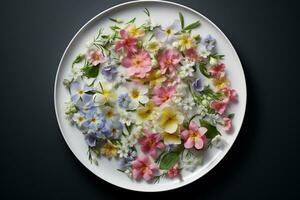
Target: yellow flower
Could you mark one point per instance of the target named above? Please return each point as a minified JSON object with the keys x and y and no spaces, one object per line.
{"x":169,"y":119}
{"x":221,"y":82}
{"x":171,"y":138}
{"x":109,"y":149}
{"x":134,"y":31}
{"x":105,"y":93}
{"x":155,"y":78}
{"x":145,"y":112}
{"x":186,"y":42}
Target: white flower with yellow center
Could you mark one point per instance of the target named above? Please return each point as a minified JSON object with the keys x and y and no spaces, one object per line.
{"x":110,"y":113}
{"x":138,"y":95}
{"x":153,"y":46}
{"x":105,"y":94}
{"x":79,"y":119}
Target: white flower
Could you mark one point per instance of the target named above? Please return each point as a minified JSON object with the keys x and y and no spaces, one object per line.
{"x":218,"y":142}
{"x":121,"y":76}
{"x":213,"y":118}
{"x":110,"y":113}
{"x":123,"y":151}
{"x":190,"y":161}
{"x":70,"y":108}
{"x":138,"y":94}
{"x":76,"y":72}
{"x":105,"y":93}
{"x":188,"y":104}
{"x":126,"y":117}
{"x":153,"y":46}
{"x":186,"y":70}
{"x":79,"y":118}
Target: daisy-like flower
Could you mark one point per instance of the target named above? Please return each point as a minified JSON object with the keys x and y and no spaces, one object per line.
{"x":79,"y":118}
{"x":170,"y":119}
{"x":137,"y":64}
{"x":150,"y":143}
{"x":143,"y":167}
{"x":167,"y":34}
{"x":96,"y":57}
{"x":194,"y":136}
{"x":79,"y":91}
{"x":109,"y":149}
{"x":168,"y":60}
{"x":126,"y":117}
{"x":138,"y":94}
{"x":105,"y":93}
{"x":145,"y":113}
{"x":135,"y":32}
{"x":185,"y":41}
{"x":110,"y":113}
{"x":163,"y":94}
{"x":126,"y":42}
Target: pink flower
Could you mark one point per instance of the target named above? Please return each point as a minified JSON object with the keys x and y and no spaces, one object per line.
{"x":163,"y":93}
{"x":191,"y":54}
{"x":217,"y":70}
{"x":96,"y":57}
{"x":230,"y":93}
{"x":150,"y":143}
{"x":126,"y":42}
{"x":143,"y":167}
{"x":174,"y":171}
{"x":168,"y":60}
{"x":227,"y":124}
{"x":194,"y":137}
{"x":138,"y":64}
{"x":220,"y":106}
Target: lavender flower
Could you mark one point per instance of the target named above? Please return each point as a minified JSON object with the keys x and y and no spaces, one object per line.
{"x":197,"y":85}
{"x":94,"y":121}
{"x":78,"y":91}
{"x":91,"y":139}
{"x":124,"y":101}
{"x":167,"y":34}
{"x":112,"y":129}
{"x":210,"y":43}
{"x":109,"y":72}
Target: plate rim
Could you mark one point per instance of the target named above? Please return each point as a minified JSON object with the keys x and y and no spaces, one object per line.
{"x":214,"y":162}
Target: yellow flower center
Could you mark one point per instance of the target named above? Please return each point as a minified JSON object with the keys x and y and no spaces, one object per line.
{"x":93,"y":119}
{"x":80,"y":92}
{"x":169,"y":31}
{"x":80,"y":118}
{"x":135,"y":94}
{"x":137,"y":62}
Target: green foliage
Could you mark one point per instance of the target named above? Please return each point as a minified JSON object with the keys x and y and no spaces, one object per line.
{"x":211,"y":130}
{"x":90,"y":71}
{"x":192,"y":26}
{"x":181,"y":20}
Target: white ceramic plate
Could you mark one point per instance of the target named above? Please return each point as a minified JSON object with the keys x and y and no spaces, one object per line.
{"x":163,"y":12}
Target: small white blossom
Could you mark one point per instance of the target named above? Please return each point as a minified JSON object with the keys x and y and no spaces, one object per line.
{"x":218,"y":142}
{"x":188,"y":104}
{"x":190,"y":162}
{"x":70,"y":108}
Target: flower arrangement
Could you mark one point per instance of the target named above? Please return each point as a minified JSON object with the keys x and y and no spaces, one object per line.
{"x":154,"y":98}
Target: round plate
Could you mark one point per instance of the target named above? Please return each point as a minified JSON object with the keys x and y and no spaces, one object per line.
{"x":163,"y":12}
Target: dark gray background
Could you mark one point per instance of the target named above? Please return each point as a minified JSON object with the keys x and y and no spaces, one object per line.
{"x":36,"y":162}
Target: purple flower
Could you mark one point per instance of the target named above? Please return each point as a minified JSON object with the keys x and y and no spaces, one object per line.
{"x":167,"y":34}
{"x":112,"y":129}
{"x":124,"y":101}
{"x":197,"y":85}
{"x":109,"y":72}
{"x":210,"y":43}
{"x":91,"y":139}
{"x":78,"y":91}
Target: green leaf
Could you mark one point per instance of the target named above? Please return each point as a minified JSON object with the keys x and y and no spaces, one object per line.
{"x":230,"y":116}
{"x":115,"y":28}
{"x":131,"y":21}
{"x":79,"y":58}
{"x":211,"y":130}
{"x":116,"y":20}
{"x":168,"y":160}
{"x":90,"y":71}
{"x":146,"y":11}
{"x":181,"y":20}
{"x":192,"y":26}
{"x":203,"y":70}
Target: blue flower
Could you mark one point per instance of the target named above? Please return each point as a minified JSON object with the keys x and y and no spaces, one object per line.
{"x":210,"y":43}
{"x":94,"y":121}
{"x":112,"y":129}
{"x":79,"y":91}
{"x":109,"y":72}
{"x":124,"y":101}
{"x":197,"y":85}
{"x":91,"y":139}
